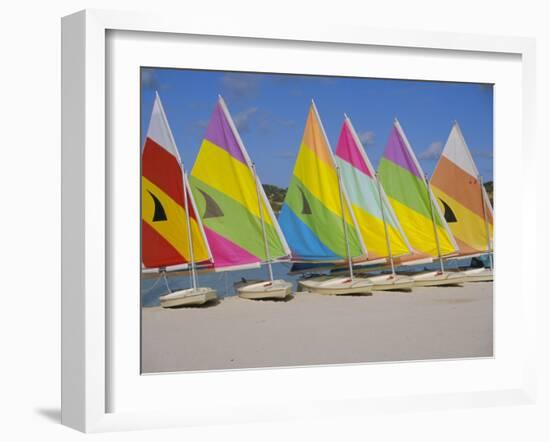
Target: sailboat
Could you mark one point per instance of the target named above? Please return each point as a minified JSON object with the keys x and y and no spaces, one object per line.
{"x":239,"y":223}
{"x":410,"y":195}
{"x":379,"y":227}
{"x":459,"y":190}
{"x":316,"y":217}
{"x":171,"y":233}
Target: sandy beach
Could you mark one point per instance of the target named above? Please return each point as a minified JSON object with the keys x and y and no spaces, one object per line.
{"x":427,"y":323}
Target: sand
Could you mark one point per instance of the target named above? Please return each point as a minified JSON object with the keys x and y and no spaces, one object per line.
{"x":427,"y":323}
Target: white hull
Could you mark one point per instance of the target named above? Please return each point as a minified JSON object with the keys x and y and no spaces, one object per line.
{"x":326,"y":285}
{"x":188,"y":297}
{"x":391,"y":282}
{"x":435,"y":278}
{"x":478,"y":275}
{"x":276,"y":289}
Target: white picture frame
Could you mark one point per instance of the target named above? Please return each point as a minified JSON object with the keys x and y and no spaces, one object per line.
{"x":87,"y":356}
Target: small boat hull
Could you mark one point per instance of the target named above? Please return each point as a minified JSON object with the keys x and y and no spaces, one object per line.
{"x":277,"y":289}
{"x":337,"y":286}
{"x":188,"y":297}
{"x":391,"y":282}
{"x":436,"y":278}
{"x":478,"y":275}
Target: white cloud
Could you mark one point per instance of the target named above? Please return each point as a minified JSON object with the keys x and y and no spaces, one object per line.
{"x":432,"y":152}
{"x":240,"y":86}
{"x":367,"y":137}
{"x":149,"y":79}
{"x":243,"y":119}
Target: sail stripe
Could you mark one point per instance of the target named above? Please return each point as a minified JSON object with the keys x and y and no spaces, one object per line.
{"x":227,"y":253}
{"x":219,"y":132}
{"x":406,"y":188}
{"x":172,"y":227}
{"x":218,"y":168}
{"x":306,"y":244}
{"x":228,"y":208}
{"x":323,"y":184}
{"x":348,"y":151}
{"x":420,"y":230}
{"x":397,"y":152}
{"x":159,"y":130}
{"x":159,"y":253}
{"x":461,"y":186}
{"x":162,"y":168}
{"x":457,"y":152}
{"x":472,"y":232}
{"x":466,"y":249}
{"x":314,"y":140}
{"x":363,"y":192}
{"x":320,"y":221}
{"x":372,"y":229}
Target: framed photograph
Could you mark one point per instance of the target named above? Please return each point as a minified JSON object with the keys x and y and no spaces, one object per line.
{"x":268,"y":223}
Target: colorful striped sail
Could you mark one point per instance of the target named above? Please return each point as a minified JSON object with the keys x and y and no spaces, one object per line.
{"x":226,"y":191}
{"x":368,"y":199}
{"x":406,"y":187}
{"x":164,"y":237}
{"x":462,"y":197}
{"x":311,"y":216}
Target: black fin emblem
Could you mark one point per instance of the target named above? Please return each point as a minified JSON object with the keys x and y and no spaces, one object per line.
{"x":160,"y":214}
{"x":212,"y":209}
{"x":449,"y":215}
{"x":306,"y":208}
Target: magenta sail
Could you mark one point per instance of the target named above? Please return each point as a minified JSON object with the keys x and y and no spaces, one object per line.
{"x":346,"y":151}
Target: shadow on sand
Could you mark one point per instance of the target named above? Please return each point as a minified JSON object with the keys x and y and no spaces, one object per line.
{"x":405,"y":290}
{"x":285,"y":299}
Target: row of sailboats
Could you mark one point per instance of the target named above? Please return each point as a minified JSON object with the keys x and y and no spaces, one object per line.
{"x":338,"y":211}
{"x":397,"y":205}
{"x":218,"y":219}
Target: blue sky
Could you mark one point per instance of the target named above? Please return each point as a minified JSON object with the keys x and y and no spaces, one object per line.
{"x":270,"y":110}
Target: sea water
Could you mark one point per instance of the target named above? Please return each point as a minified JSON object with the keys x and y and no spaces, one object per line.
{"x":152,"y":289}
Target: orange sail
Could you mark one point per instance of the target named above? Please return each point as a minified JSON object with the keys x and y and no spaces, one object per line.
{"x":462,"y":198}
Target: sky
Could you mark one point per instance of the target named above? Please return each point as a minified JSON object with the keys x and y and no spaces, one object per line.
{"x":270,"y":112}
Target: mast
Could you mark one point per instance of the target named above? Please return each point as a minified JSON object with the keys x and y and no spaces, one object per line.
{"x":348,"y":253}
{"x":388,"y":244}
{"x":260,"y":208}
{"x":422,"y":174}
{"x":343,"y":196}
{"x":433,"y":223}
{"x":489,"y":245}
{"x":159,"y":131}
{"x":383,"y":199}
{"x":259,"y":189}
{"x":189,"y":237}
